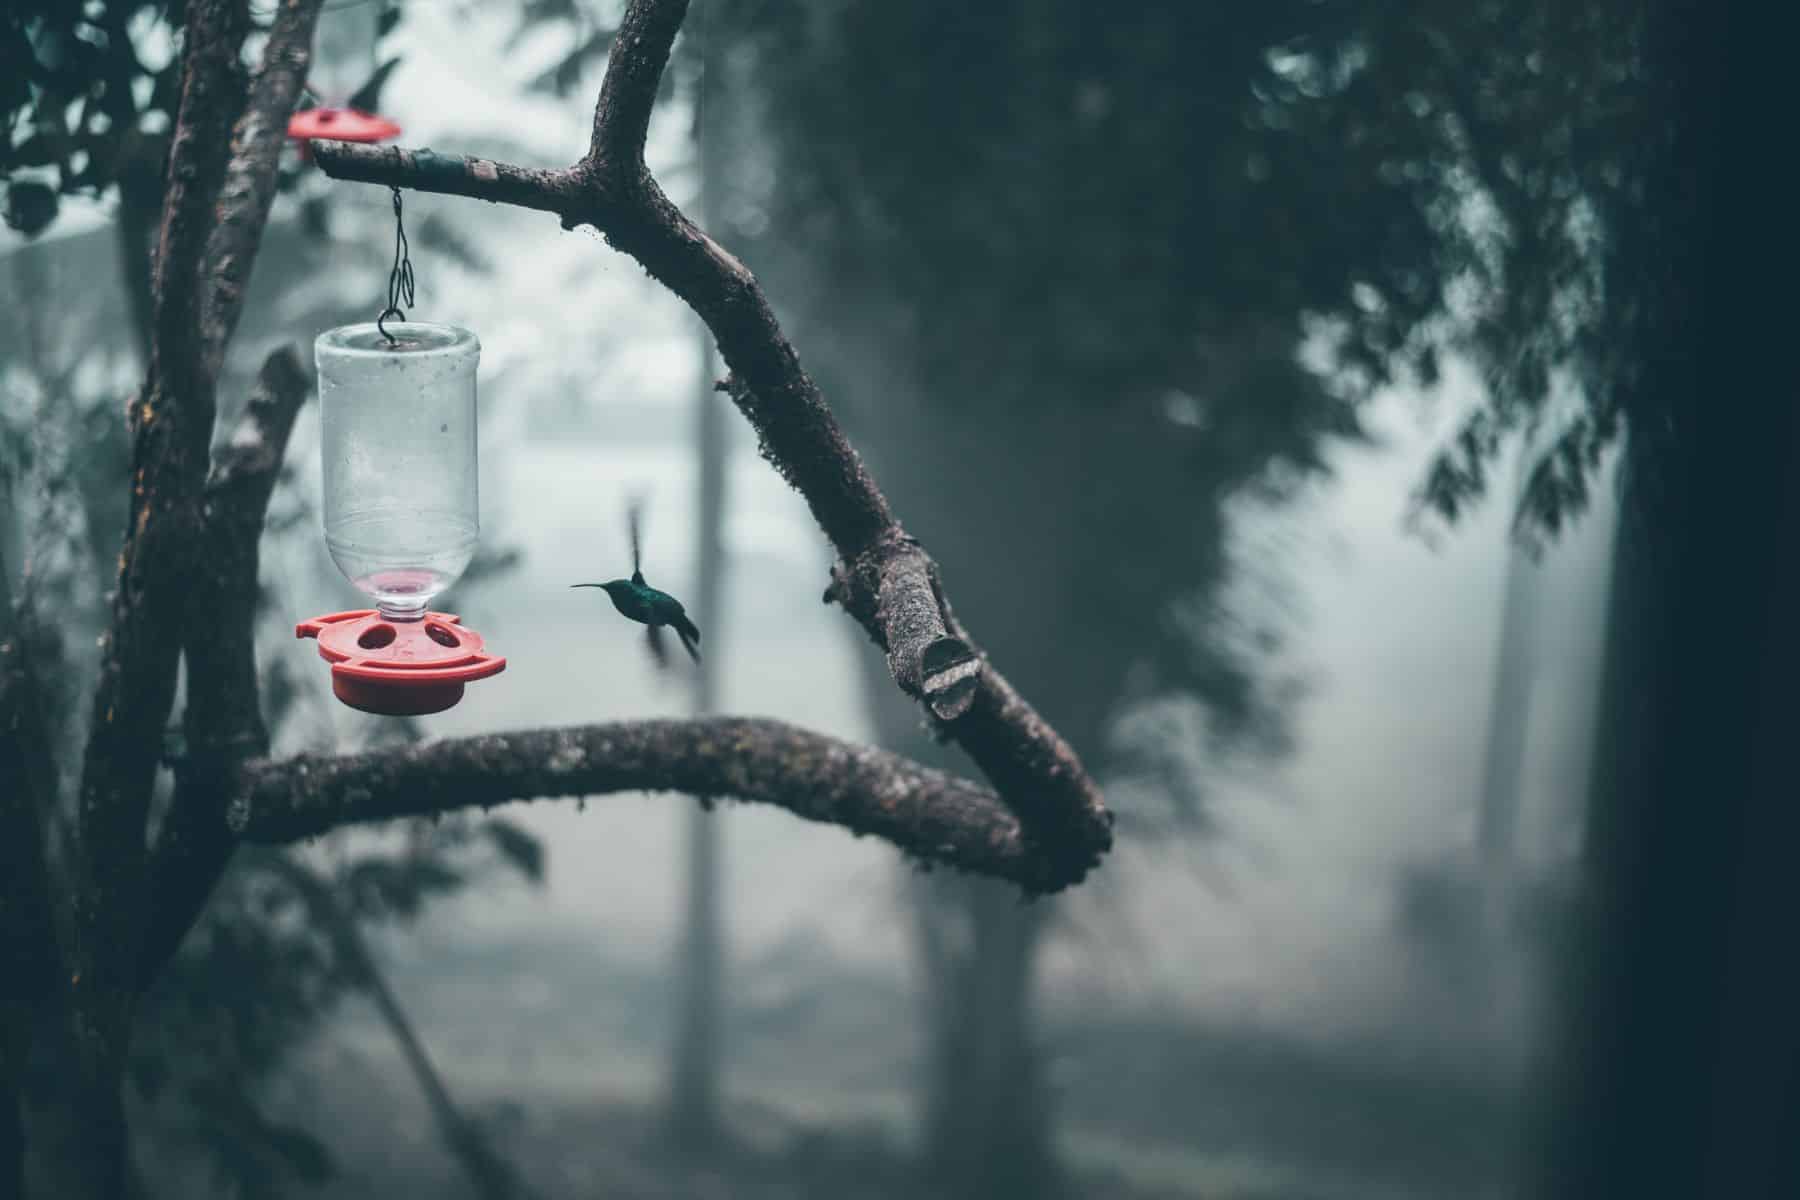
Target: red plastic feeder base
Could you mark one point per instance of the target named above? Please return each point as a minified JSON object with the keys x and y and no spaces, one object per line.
{"x":340,"y":125}
{"x":399,"y":668}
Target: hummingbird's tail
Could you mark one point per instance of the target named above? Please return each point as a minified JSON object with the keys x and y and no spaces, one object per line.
{"x":689,"y":633}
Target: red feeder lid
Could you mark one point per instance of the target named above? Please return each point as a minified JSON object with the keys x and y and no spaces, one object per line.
{"x":399,"y":668}
{"x":341,"y":125}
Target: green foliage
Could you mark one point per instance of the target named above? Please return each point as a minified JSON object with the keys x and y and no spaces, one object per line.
{"x":87,"y":99}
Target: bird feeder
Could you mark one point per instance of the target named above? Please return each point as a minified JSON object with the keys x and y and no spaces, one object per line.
{"x":338,"y":125}
{"x":397,"y":431}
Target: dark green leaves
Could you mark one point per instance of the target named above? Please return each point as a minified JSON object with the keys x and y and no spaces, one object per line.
{"x":70,"y":121}
{"x":30,"y":206}
{"x":519,"y":848}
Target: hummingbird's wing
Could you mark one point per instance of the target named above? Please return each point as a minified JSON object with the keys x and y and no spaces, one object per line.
{"x":659,"y":649}
{"x":634,"y":515}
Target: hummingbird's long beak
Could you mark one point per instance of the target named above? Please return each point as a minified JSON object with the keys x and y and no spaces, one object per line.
{"x":598,"y":585}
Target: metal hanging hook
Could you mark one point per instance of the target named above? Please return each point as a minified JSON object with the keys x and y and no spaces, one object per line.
{"x":400,"y":278}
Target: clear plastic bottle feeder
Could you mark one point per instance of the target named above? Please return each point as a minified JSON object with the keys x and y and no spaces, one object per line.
{"x":397,"y":430}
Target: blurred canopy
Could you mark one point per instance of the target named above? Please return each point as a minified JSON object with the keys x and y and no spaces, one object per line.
{"x":1146,"y":183}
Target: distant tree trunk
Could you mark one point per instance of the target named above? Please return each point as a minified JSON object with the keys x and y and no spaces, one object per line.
{"x":694,"y":1085}
{"x":1497,"y":819}
{"x":987,"y":1125}
{"x":985,"y":1109}
{"x":1677,"y":1068}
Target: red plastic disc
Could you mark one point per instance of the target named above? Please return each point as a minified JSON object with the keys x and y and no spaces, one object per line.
{"x":340,"y":125}
{"x":399,"y":668}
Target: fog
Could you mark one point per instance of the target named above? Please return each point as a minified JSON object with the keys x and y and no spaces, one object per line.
{"x":1324,"y":943}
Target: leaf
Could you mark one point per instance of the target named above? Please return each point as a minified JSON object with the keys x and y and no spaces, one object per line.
{"x":305,"y":1155}
{"x":30,"y":206}
{"x":566,"y":75}
{"x":379,"y":887}
{"x":367,"y":98}
{"x":524,"y":850}
{"x":435,"y":233}
{"x":38,"y":150}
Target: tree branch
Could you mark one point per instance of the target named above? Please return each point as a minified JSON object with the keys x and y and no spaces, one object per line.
{"x":248,"y":189}
{"x":884,"y":578}
{"x":171,"y":424}
{"x":212,"y":97}
{"x":932,"y":815}
{"x":222,"y":725}
{"x":559,"y":191}
{"x":634,"y":68}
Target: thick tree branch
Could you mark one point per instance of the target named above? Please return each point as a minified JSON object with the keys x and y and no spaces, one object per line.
{"x":212,"y":96}
{"x":171,"y":426}
{"x":222,"y":725}
{"x":932,"y":815}
{"x":248,"y":189}
{"x":884,"y":578}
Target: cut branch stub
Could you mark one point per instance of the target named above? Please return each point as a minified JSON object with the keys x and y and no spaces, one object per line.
{"x":950,"y":672}
{"x":929,"y":662}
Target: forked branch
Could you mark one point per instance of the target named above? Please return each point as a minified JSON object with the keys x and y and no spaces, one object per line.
{"x":883,"y":578}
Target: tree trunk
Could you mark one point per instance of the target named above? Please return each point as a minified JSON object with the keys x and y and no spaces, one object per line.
{"x":985,"y":1111}
{"x":1508,"y":721}
{"x":1677,"y":1070}
{"x":987,"y":1124}
{"x":693,"y":1117}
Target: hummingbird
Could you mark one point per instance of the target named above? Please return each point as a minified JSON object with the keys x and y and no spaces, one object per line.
{"x":649,"y":607}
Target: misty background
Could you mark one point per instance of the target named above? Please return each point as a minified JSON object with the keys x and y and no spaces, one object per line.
{"x":1349,"y":743}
